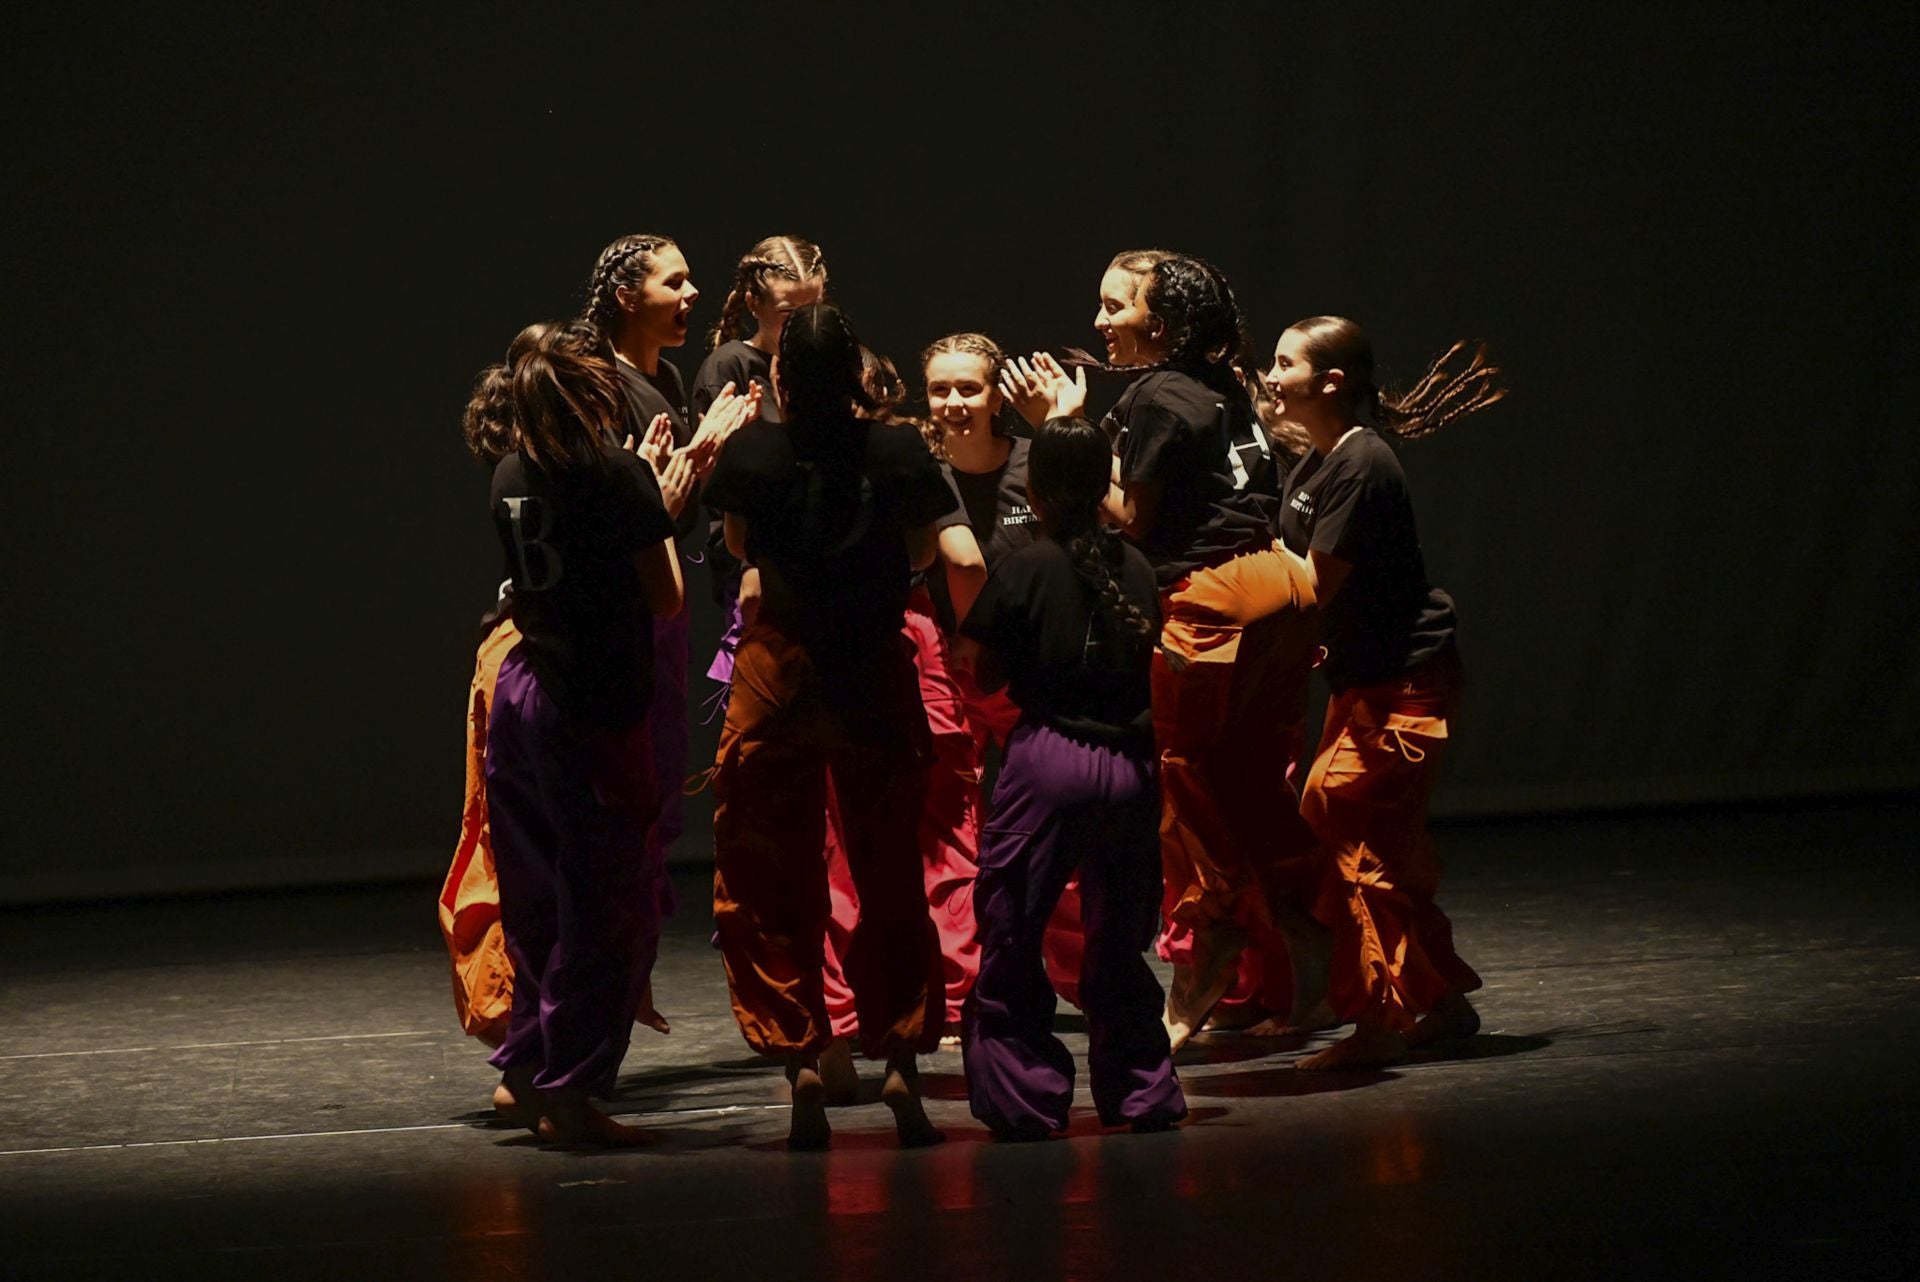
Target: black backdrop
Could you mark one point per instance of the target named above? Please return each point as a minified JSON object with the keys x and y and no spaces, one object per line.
{"x":255,"y":259}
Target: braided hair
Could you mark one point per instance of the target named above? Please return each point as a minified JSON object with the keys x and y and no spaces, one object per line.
{"x":785,"y":257}
{"x":1205,"y":331}
{"x":1067,"y":475}
{"x":624,"y":264}
{"x":967,"y":343}
{"x":1440,"y":396}
{"x":820,"y":385}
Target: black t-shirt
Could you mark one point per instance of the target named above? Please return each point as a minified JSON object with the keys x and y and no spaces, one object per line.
{"x":994,"y":505}
{"x":827,"y":507}
{"x":1173,"y":429}
{"x":1253,"y":462}
{"x":568,"y":538}
{"x":1353,"y":503}
{"x":661,"y":392}
{"x":1069,"y":666}
{"x":741,"y":364}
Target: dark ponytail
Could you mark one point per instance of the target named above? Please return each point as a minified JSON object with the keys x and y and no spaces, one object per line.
{"x":1442,"y":395}
{"x":1067,"y":475}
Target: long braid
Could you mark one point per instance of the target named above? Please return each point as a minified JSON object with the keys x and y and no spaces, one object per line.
{"x":622,"y":265}
{"x":1094,"y":550}
{"x":1441,"y":396}
{"x":1067,"y":473}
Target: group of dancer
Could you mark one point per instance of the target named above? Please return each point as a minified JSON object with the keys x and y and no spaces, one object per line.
{"x":1127,"y":610}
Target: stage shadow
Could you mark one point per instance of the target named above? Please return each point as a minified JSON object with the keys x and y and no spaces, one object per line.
{"x":1281,"y":1080}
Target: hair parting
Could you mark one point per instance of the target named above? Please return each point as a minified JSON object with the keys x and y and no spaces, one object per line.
{"x":777,"y":257}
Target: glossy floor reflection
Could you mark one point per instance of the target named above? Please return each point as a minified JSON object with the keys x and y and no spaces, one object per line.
{"x":1699,"y":1038}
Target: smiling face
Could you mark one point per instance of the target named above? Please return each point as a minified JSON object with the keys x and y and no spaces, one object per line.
{"x":1133,"y":334}
{"x":780,"y":297}
{"x":658,"y":311}
{"x":961,"y":395}
{"x":1302,"y":395}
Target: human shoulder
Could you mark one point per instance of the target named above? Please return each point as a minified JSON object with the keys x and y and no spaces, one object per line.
{"x":1371,"y":461}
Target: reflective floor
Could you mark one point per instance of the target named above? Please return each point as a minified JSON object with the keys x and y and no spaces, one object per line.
{"x":1697,"y":1062}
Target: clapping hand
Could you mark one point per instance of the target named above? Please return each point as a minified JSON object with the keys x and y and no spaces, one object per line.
{"x":1039,"y":388}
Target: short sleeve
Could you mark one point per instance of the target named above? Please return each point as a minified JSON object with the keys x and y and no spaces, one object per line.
{"x":1338,"y":518}
{"x":746,"y":474}
{"x":1155,"y":439}
{"x":715,"y":373}
{"x":927,"y":493}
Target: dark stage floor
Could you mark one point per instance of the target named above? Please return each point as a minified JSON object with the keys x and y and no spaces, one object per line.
{"x":1698,"y":1061}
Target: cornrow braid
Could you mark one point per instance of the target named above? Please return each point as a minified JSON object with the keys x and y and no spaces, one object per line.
{"x":967,"y":343}
{"x":622,"y":265}
{"x":1191,"y":297}
{"x":786,"y":257}
{"x":1440,"y":397}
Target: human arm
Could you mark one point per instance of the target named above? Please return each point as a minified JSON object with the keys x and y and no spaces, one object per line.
{"x":966,"y":568}
{"x":658,"y":565}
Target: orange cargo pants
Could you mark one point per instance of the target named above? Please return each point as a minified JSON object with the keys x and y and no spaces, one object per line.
{"x":1229,"y":697}
{"x":1366,"y":800}
{"x":789,"y":729}
{"x":470,"y":896}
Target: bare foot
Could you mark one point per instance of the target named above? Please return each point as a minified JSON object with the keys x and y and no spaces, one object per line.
{"x":902,"y":1094}
{"x":1451,"y":1018}
{"x":809,"y":1128}
{"x":950,"y":1036}
{"x":1198,"y":986}
{"x":650,"y":1015}
{"x":841,"y":1078}
{"x":1365,"y":1047}
{"x":570,"y":1120}
{"x":515,"y":1101}
{"x":1317,"y":1020}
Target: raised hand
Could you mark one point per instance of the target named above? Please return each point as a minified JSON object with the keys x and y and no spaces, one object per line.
{"x":676,"y":482}
{"x":729,"y":412}
{"x":656,"y":445}
{"x":1023,"y":390}
{"x":1068,"y":396}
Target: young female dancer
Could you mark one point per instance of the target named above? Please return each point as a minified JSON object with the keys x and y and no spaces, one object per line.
{"x":587,"y":537}
{"x":1396,"y":679}
{"x":1229,"y":679}
{"x":1069,"y":621}
{"x":776,"y":276}
{"x":837,"y":512}
{"x":640,"y":299}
